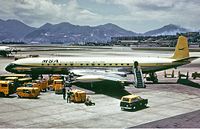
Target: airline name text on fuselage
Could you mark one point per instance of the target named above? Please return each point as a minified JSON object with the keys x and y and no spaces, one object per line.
{"x":49,"y":61}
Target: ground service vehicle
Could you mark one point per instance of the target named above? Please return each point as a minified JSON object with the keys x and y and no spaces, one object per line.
{"x":14,"y":80}
{"x":78,"y":96}
{"x":195,"y":75}
{"x":39,"y":84}
{"x":25,"y":80}
{"x":58,"y":85}
{"x":28,"y":92}
{"x":32,"y":84}
{"x":44,"y":84}
{"x":54,"y":77}
{"x":6,"y":88}
{"x":133,"y":102}
{"x":3,"y":76}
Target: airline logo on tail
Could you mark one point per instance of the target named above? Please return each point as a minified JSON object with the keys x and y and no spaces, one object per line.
{"x":181,"y":48}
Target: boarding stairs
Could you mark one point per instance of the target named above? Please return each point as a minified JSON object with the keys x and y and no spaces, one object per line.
{"x":138,"y":77}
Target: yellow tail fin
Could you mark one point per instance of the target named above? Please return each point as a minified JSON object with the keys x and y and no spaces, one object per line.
{"x":182,"y":50}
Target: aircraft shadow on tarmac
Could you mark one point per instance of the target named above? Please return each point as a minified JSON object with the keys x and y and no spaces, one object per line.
{"x":110,"y":89}
{"x":161,"y":83}
{"x":188,"y":83}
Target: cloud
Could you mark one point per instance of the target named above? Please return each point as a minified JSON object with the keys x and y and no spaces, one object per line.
{"x":181,"y":12}
{"x":136,"y":15}
{"x":37,"y":12}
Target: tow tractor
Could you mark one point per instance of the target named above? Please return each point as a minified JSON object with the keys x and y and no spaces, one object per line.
{"x":195,"y":75}
{"x":133,"y":102}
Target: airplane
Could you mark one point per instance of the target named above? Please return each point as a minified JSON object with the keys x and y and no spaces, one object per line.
{"x":5,"y":50}
{"x":90,"y":66}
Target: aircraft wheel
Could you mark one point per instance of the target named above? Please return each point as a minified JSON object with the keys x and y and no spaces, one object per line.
{"x":155,"y":81}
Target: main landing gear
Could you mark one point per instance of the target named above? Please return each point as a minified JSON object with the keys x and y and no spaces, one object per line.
{"x":36,"y":76}
{"x":152,"y":77}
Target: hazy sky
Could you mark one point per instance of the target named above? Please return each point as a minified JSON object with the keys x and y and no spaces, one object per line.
{"x":135,"y":15}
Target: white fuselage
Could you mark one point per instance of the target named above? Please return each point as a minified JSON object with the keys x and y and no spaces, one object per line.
{"x":63,"y":64}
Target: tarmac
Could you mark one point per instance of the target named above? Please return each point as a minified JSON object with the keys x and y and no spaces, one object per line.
{"x":171,"y":104}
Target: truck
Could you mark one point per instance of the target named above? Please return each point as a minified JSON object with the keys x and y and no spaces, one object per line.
{"x":28,"y":92}
{"x":58,"y":85}
{"x":6,"y":88}
{"x":133,"y":102}
{"x":195,"y":75}
{"x":78,"y":96}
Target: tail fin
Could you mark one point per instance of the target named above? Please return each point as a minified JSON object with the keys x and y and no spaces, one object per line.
{"x":182,"y":50}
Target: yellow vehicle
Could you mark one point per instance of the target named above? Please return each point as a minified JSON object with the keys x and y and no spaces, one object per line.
{"x":54,"y":77}
{"x":3,"y":76}
{"x":39,"y":84}
{"x":14,"y":80}
{"x":6,"y":88}
{"x":25,"y":80}
{"x":28,"y":92}
{"x":44,"y":84}
{"x":11,"y":78}
{"x":58,"y":85}
{"x":32,"y":84}
{"x":133,"y":102}
{"x":78,"y":96}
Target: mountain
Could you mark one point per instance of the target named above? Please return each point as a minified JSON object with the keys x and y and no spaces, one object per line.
{"x":67,"y":32}
{"x":13,"y":30}
{"x":166,"y":30}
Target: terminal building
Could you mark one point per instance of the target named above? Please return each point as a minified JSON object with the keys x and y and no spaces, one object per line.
{"x":142,"y":41}
{"x":156,"y":41}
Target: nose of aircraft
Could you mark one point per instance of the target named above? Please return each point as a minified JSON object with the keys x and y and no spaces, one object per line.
{"x":10,"y":67}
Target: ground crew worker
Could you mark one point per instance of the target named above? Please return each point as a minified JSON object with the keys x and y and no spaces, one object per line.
{"x":88,"y":102}
{"x":64,"y":92}
{"x":68,"y":96}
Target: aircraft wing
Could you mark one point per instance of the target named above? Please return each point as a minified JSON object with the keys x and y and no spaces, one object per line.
{"x":90,"y":75}
{"x":80,"y":72}
{"x":188,"y":59}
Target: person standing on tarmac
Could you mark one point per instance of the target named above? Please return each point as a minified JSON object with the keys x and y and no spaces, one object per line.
{"x":64,"y":92}
{"x":68,"y":96}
